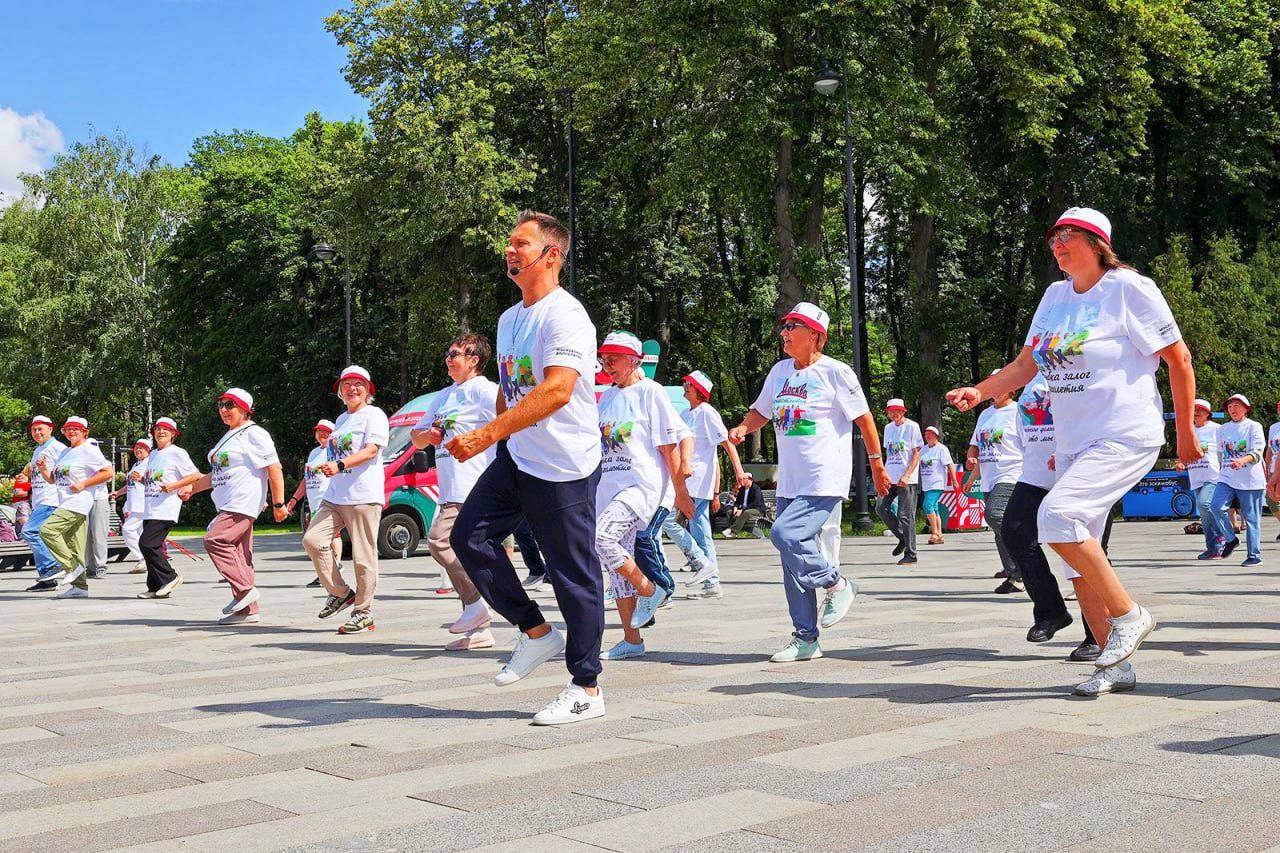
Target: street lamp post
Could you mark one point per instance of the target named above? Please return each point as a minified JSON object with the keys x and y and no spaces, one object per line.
{"x":826,"y":83}
{"x":573,"y":228}
{"x":325,"y":253}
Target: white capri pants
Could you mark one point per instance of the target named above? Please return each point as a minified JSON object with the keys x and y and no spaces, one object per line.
{"x":1089,"y":483}
{"x":616,"y":529}
{"x":131,"y":532}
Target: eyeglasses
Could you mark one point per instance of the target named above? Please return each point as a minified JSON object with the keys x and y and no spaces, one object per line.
{"x":1062,"y":235}
{"x":223,"y":405}
{"x":792,"y":326}
{"x":455,"y":353}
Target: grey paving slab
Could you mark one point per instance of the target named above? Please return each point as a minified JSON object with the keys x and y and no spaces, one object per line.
{"x":930,"y":724}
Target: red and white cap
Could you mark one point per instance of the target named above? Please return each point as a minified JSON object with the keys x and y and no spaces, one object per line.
{"x":1243,"y":399}
{"x":168,"y":423}
{"x":1086,"y":218}
{"x":702,"y":382}
{"x":240,"y":397}
{"x":324,"y":423}
{"x":355,"y":371}
{"x":76,"y":421}
{"x":932,"y":429}
{"x":811,"y":315}
{"x":1203,"y":404}
{"x":895,"y":403}
{"x":622,"y":343}
{"x":41,"y":419}
{"x":143,"y":442}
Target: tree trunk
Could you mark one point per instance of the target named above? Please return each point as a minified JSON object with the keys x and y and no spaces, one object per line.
{"x":790,"y":288}
{"x":924,"y":276}
{"x":464,"y":288}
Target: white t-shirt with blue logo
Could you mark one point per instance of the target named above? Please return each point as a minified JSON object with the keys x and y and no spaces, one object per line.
{"x":900,"y":441}
{"x":73,"y":465}
{"x":933,"y":467}
{"x":165,"y":466}
{"x":366,"y":482}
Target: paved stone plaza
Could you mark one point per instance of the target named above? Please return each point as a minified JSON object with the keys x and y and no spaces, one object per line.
{"x":930,"y":725}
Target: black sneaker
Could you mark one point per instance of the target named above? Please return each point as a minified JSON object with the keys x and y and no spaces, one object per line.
{"x":1009,"y":586}
{"x":1084,"y":652}
{"x":907,"y":561}
{"x":902,"y":546}
{"x":314,"y":583}
{"x":1229,"y":547}
{"x":1043,"y":631}
{"x":43,"y":586}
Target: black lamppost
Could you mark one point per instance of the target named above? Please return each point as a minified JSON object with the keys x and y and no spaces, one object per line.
{"x":826,"y":83}
{"x":573,"y":228}
{"x":325,"y":253}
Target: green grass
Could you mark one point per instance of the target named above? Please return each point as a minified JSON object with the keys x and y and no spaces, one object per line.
{"x":259,"y":529}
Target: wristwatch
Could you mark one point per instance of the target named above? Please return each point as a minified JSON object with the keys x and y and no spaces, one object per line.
{"x":342,"y":466}
{"x":278,"y":506}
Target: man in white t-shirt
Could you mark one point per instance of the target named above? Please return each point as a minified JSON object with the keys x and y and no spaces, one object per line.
{"x":995,"y":451}
{"x":546,"y":470}
{"x":44,"y":500}
{"x":902,"y":445}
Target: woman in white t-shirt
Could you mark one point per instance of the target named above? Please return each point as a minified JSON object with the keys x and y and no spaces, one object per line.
{"x":996,"y":453}
{"x":313,"y":485}
{"x":244,"y":467}
{"x":354,"y":500}
{"x":80,"y":473}
{"x":1098,"y":337}
{"x":1242,"y":478}
{"x":813,"y":402}
{"x":166,"y":463}
{"x":640,"y":433}
{"x":135,"y":504}
{"x":937,"y":474}
{"x":1202,"y":476}
{"x":469,"y":403}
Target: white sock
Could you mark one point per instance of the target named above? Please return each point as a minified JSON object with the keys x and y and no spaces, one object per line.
{"x":1131,"y":616}
{"x":473,"y":609}
{"x":838,"y":585}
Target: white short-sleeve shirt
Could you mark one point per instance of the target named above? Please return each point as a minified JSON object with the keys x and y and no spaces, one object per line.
{"x":999,"y":450}
{"x":1273,"y":444}
{"x":708,"y":430}
{"x":44,"y":493}
{"x":166,"y":466}
{"x":900,"y":441}
{"x":238,"y":469}
{"x":1097,"y":350}
{"x":365,"y":483}
{"x":933,"y":467}
{"x":1236,"y":440}
{"x":454,"y":411}
{"x":634,"y":422}
{"x":1207,"y":468}
{"x":812,"y":411}
{"x":555,"y":331}
{"x":135,"y":492}
{"x":73,"y":465}
{"x":317,"y":480}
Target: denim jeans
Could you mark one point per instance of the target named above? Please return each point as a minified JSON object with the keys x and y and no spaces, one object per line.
{"x":46,"y":563}
{"x":1208,"y":518}
{"x":1250,"y":511}
{"x":797,"y":535}
{"x":696,"y":541}
{"x":649,"y":556}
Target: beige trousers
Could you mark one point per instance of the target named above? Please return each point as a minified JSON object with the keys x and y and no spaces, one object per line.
{"x":438,"y":545}
{"x":361,"y":522}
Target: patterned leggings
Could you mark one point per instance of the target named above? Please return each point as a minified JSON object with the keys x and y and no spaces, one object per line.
{"x":616,"y":529}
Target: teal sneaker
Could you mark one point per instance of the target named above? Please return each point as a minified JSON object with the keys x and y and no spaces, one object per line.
{"x":837,"y":603}
{"x":646,"y":606}
{"x":796,"y":650}
{"x":623,"y":650}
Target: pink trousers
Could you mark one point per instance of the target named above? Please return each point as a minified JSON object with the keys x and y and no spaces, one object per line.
{"x":229,"y":544}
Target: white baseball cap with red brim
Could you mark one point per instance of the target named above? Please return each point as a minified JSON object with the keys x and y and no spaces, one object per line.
{"x":324,"y":424}
{"x":242,"y":398}
{"x":895,"y":403}
{"x":77,"y":422}
{"x":169,"y":424}
{"x":143,"y":442}
{"x":41,"y":419}
{"x":701,"y":381}
{"x":1242,"y":399}
{"x":1087,"y":219}
{"x":1203,"y":404}
{"x":811,"y":315}
{"x":355,"y":371}
{"x":932,"y":429}
{"x":622,"y":343}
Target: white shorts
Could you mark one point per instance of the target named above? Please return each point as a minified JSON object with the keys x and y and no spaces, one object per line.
{"x":1089,"y":483}
{"x":616,"y":530}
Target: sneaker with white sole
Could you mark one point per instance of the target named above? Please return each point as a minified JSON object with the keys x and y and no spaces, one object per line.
{"x":335,"y":603}
{"x":1125,"y":638}
{"x":708,"y":591}
{"x":235,"y":605}
{"x":238,"y":617}
{"x":623,"y":650}
{"x":529,"y":654}
{"x":71,"y":577}
{"x":1110,"y":679}
{"x":573,"y":705}
{"x":481,"y":639}
{"x":73,"y":592}
{"x":167,"y":590}
{"x":533,"y":581}
{"x":475,"y":622}
{"x":139,"y":568}
{"x":836,"y":604}
{"x":146,"y":593}
{"x":796,"y":650}
{"x":707,"y":571}
{"x":360,"y":621}
{"x":647,"y":605}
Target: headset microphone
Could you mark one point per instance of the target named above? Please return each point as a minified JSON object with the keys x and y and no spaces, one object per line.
{"x":514,"y":271}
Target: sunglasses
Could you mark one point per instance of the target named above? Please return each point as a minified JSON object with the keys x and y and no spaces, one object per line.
{"x":455,"y":353}
{"x":792,"y":326}
{"x":1062,"y":235}
{"x":223,"y":405}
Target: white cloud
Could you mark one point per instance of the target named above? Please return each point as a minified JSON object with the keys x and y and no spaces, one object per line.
{"x":27,"y":144}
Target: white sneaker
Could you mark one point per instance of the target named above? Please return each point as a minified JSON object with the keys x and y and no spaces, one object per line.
{"x":573,"y":705}
{"x":708,"y":570}
{"x":712,"y":591}
{"x":71,"y":578}
{"x":1125,"y":638}
{"x":235,"y":605}
{"x":475,"y":622}
{"x":167,"y":590}
{"x":1111,"y":679}
{"x":529,"y":655}
{"x":482,"y":639}
{"x":139,"y":568}
{"x":237,"y":617}
{"x":73,"y":592}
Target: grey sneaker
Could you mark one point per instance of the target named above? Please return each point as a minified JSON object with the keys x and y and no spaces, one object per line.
{"x":705,"y":571}
{"x":710,"y":591}
{"x":1125,"y":638}
{"x":1111,"y":679}
{"x":333,"y":604}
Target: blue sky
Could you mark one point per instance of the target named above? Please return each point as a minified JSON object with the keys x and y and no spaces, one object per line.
{"x":163,"y":71}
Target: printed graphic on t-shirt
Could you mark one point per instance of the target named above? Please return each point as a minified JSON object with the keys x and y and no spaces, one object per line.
{"x":445,"y":422}
{"x":153,"y":475}
{"x":614,"y":435}
{"x":312,"y":473}
{"x":62,"y":476}
{"x":1238,"y":450}
{"x":896,"y":450}
{"x":340,"y":446}
{"x":988,"y":440}
{"x":516,"y":376}
{"x":793,"y":403}
{"x":1036,"y":410}
{"x":1056,"y":351}
{"x":221,"y":461}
